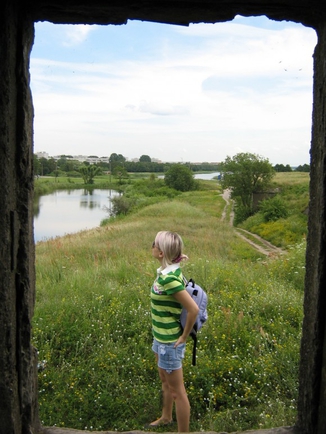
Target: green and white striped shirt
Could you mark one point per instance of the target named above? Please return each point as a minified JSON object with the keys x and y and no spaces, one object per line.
{"x":165,"y":308}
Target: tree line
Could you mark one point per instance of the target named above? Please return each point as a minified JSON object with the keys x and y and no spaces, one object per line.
{"x":67,"y":166}
{"x":117,"y":164}
{"x":288,"y":168}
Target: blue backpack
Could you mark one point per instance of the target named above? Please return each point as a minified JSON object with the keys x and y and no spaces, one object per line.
{"x":200,"y":297}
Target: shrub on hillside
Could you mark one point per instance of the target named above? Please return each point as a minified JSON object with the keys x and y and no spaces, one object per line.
{"x":241,"y":213}
{"x":273,"y":209}
{"x":150,"y":188}
{"x":121,"y":205}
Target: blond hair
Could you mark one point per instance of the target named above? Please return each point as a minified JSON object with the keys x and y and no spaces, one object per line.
{"x":171,"y":245}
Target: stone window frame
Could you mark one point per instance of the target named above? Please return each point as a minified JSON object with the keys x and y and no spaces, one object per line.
{"x":18,"y":384}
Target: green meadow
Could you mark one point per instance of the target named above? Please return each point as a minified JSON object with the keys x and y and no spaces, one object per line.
{"x":92,"y":326}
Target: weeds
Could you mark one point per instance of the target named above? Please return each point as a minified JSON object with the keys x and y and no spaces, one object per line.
{"x":92,"y":326}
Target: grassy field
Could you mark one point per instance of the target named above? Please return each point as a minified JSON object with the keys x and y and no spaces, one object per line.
{"x":92,"y":324}
{"x":291,"y":178}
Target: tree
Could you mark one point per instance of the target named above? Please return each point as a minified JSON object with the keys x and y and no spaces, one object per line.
{"x":120,"y":172}
{"x":282,"y":168}
{"x":37,"y":166}
{"x":145,"y":159}
{"x":303,"y":168}
{"x":116,"y":160}
{"x":47,"y":165}
{"x":246,"y":174}
{"x":88,"y":173}
{"x":180,"y":177}
{"x":66,"y":165}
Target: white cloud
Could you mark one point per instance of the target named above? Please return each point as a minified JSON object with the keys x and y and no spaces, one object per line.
{"x":231,"y":87}
{"x":76,"y":34}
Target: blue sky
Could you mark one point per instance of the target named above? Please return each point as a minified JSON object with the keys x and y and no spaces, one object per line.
{"x":197,"y":93}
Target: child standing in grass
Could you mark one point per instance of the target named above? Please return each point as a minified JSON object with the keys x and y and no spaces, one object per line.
{"x":168,"y":297}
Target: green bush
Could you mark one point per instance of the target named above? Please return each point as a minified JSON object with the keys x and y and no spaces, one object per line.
{"x":273,"y":209}
{"x":121,"y":205}
{"x":241,"y":213}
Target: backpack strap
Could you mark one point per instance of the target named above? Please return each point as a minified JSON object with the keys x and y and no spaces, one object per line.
{"x":194,"y":348}
{"x":193,"y":332}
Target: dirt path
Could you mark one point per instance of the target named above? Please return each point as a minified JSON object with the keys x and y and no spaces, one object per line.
{"x":229,"y":205}
{"x":261,"y":245}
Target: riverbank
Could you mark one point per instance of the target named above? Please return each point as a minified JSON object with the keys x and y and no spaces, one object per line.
{"x":47,"y":184}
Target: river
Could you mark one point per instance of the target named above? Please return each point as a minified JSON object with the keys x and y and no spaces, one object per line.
{"x":69,"y":211}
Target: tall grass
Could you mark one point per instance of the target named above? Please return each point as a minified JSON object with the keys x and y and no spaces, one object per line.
{"x":92,"y":326}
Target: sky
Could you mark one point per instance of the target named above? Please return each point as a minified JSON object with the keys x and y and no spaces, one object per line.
{"x":178,"y":94}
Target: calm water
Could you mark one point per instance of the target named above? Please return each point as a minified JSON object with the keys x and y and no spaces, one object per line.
{"x":206,"y":176}
{"x":70,"y":211}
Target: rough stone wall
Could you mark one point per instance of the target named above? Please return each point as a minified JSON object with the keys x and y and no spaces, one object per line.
{"x":312,"y":391}
{"x":181,"y":12}
{"x":18,"y":409}
{"x":18,"y":391}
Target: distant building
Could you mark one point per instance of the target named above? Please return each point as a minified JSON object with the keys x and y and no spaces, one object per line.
{"x":42,"y":155}
{"x":80,"y":158}
{"x":95,"y":160}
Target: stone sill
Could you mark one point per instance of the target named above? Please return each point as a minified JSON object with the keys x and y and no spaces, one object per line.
{"x":281,"y":430}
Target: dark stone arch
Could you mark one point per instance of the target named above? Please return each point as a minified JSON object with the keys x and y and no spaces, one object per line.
{"x":18,"y":390}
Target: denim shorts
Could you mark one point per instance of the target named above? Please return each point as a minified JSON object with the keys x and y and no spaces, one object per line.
{"x":169,"y":358}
